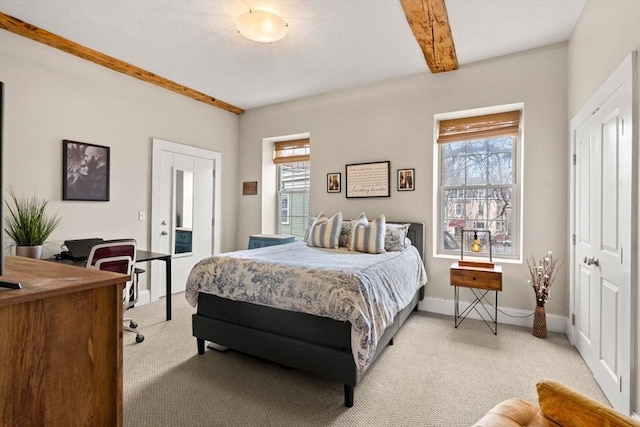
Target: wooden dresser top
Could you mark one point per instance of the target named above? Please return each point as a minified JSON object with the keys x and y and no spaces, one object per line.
{"x":43,"y":279}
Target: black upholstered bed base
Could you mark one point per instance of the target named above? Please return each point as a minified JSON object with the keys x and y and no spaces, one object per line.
{"x":317,"y":345}
{"x":313,"y":344}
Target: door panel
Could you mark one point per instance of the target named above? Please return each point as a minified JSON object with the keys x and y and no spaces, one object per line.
{"x":168,"y":158}
{"x":603,"y":250}
{"x":585,"y":286}
{"x":584,"y":298}
{"x":202,"y":217}
{"x":609,"y":330}
{"x":609,"y":204}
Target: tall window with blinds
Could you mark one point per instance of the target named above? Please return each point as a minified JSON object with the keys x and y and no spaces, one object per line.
{"x":293,"y":166}
{"x":479,"y":182}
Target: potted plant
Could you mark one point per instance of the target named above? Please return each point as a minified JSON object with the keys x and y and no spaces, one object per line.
{"x":28,"y":224}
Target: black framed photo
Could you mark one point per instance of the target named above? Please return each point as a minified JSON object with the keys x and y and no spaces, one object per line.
{"x":85,"y":169}
{"x":406,"y":179}
{"x":334,"y":182}
{"x":368,"y":179}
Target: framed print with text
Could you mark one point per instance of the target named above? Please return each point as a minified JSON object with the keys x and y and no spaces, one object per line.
{"x":368,"y":179}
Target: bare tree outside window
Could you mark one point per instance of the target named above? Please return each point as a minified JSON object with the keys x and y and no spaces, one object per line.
{"x":477,"y":185}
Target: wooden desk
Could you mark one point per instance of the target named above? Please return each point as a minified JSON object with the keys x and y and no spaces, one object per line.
{"x":480,"y":280}
{"x":61,"y":349}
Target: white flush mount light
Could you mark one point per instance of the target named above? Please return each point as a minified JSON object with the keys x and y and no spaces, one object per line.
{"x":261,"y":26}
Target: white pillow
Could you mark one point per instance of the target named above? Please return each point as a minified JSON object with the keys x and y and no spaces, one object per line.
{"x":368,"y":236}
{"x":325,"y":232}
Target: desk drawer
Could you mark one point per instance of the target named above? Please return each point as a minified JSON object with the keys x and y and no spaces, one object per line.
{"x":481,"y":279}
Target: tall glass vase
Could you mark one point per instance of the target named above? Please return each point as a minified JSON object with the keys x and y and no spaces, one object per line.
{"x":539,"y":322}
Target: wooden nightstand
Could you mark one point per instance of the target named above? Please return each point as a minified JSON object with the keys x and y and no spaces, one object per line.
{"x":480,"y":278}
{"x":262,"y":240}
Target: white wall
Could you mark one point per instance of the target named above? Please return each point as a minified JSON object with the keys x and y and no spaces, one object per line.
{"x":51,"y":96}
{"x":393,"y":121}
{"x":605,"y":34}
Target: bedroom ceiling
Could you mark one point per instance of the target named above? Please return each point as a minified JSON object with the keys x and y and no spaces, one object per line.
{"x":330,"y":45}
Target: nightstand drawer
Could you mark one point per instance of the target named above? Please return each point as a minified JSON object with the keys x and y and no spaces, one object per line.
{"x":475,"y":278}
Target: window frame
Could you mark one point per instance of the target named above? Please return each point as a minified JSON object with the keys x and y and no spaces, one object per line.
{"x":516,"y":186}
{"x":282,"y":198}
{"x":280,"y":192}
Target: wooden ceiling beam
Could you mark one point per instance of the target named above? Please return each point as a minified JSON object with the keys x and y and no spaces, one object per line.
{"x":430,"y":25}
{"x":32,"y":32}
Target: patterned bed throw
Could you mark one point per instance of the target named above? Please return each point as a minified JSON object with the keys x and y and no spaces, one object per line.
{"x":367,"y":290}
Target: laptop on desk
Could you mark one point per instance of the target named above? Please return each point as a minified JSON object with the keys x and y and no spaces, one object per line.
{"x":79,"y":249}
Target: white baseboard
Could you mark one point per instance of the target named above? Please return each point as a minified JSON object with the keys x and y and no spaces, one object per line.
{"x":524,"y":318}
{"x":635,"y":416}
{"x":144,"y":297}
{"x":555,"y":323}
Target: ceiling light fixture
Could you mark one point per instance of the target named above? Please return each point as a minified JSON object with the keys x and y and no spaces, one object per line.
{"x":261,"y":26}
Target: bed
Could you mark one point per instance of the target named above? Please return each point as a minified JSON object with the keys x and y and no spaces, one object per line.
{"x":269,"y":307}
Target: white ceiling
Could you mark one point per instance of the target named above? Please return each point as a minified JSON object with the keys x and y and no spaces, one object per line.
{"x":331,"y":44}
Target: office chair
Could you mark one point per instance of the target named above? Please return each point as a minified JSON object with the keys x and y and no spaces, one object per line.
{"x":118,"y":256}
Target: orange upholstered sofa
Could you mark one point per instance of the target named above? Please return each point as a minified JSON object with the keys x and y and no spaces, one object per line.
{"x":558,"y":406}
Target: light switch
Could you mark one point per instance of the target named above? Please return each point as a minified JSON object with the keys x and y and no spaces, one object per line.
{"x":142,"y":216}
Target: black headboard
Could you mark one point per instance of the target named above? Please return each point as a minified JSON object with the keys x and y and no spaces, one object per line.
{"x":416,"y":235}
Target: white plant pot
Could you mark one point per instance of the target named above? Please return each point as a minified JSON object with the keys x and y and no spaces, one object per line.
{"x":29,"y":251}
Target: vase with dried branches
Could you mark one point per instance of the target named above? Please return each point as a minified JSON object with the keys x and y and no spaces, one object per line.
{"x":542,"y":274}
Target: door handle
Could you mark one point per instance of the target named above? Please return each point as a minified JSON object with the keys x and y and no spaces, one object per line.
{"x":586,"y":261}
{"x":163,"y":233}
{"x":592,"y":261}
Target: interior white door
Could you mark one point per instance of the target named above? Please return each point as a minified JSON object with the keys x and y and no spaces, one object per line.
{"x":172,"y":163}
{"x":603,"y":250}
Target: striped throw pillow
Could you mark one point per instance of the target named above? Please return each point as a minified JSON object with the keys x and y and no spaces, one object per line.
{"x":368,"y":237}
{"x":325,"y":232}
{"x":310,"y":222}
{"x":360,"y":220}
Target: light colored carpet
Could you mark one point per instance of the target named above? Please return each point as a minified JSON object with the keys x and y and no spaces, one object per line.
{"x":434,"y":375}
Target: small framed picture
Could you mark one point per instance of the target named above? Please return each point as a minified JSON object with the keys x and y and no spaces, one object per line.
{"x":250,"y":188}
{"x":334,"y":184}
{"x":406,"y":180}
{"x":85,"y":169}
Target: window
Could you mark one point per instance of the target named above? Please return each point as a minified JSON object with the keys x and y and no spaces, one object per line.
{"x":478,"y":181}
{"x":284,"y":209}
{"x":293,"y":167}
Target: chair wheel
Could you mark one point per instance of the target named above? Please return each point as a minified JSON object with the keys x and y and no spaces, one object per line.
{"x":139,"y":338}
{"x":133,"y":324}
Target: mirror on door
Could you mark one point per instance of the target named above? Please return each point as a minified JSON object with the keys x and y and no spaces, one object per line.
{"x":183,"y":197}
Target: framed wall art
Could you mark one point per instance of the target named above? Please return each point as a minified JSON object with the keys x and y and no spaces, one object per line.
{"x":85,"y":169}
{"x":334,"y":182}
{"x":250,"y":188}
{"x":368,"y":179}
{"x":406,"y":179}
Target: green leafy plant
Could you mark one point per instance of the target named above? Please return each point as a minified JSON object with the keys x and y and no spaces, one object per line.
{"x":27,"y":223}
